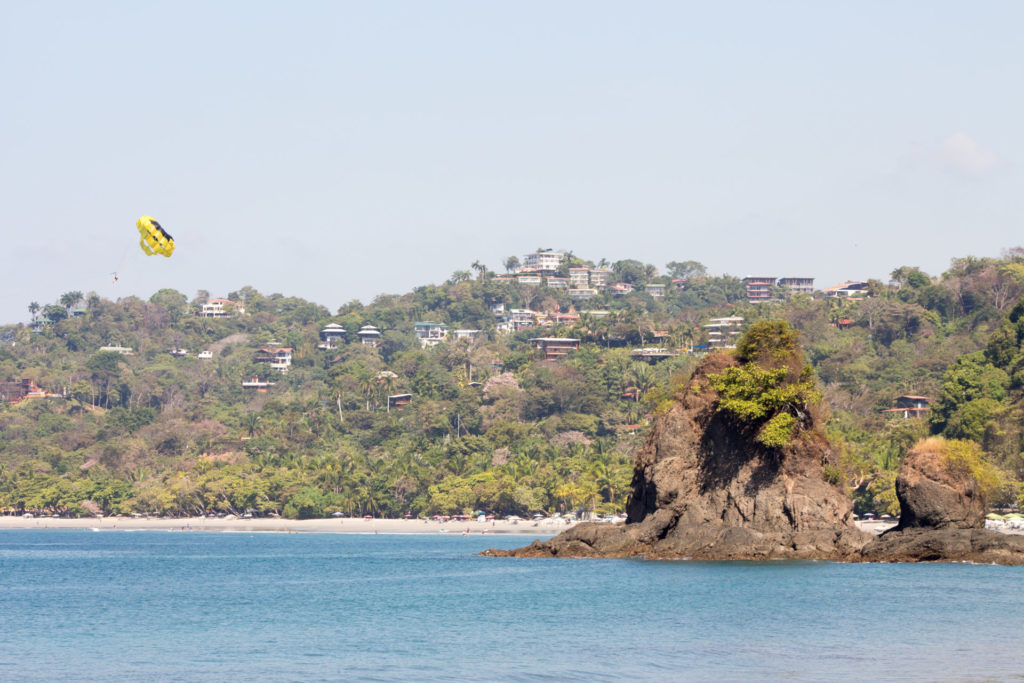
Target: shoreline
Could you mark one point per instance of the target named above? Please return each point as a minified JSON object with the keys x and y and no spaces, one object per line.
{"x":548,"y":527}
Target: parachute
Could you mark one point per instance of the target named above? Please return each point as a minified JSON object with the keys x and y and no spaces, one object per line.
{"x":154,"y":239}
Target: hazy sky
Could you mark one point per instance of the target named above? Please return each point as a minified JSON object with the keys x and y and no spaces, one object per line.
{"x":339,"y":150}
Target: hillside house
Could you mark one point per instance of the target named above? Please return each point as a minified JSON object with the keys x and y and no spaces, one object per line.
{"x":759,"y":289}
{"x":723,"y":332}
{"x":655,"y":290}
{"x":797,"y":285}
{"x":398,"y":401}
{"x":430,"y":333}
{"x":368,"y":335}
{"x":521,"y":319}
{"x":652,"y":355}
{"x":581,"y":293}
{"x":15,"y":392}
{"x":256,"y":383}
{"x":123,"y":350}
{"x":221,"y":308}
{"x":279,"y":358}
{"x":531,"y":279}
{"x":465,"y":334}
{"x":555,"y":348}
{"x":556,"y":282}
{"x":600,"y":277}
{"x":331,"y":336}
{"x":544,"y":262}
{"x":579,"y":277}
{"x":847,"y":290}
{"x":909,"y":406}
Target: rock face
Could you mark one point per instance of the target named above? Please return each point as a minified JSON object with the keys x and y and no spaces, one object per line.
{"x":932,"y":495}
{"x":942,"y":517}
{"x":703,"y":488}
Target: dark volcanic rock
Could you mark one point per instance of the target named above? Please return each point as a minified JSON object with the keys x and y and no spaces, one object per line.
{"x":933,"y":495}
{"x":948,"y":545}
{"x":703,"y":488}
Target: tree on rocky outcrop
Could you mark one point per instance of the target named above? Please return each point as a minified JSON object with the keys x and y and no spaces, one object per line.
{"x":772,"y":389}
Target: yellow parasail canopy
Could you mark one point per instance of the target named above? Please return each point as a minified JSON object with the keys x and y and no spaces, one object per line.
{"x":154,"y":239}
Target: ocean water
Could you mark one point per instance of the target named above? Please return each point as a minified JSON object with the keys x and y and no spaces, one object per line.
{"x":174,"y":606}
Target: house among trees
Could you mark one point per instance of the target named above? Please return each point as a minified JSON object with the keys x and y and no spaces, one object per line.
{"x":398,"y":401}
{"x":368,"y":335}
{"x":797,"y":285}
{"x":759,"y":288}
{"x":331,"y":336}
{"x":123,"y":350}
{"x":279,"y":358}
{"x":910,"y":406}
{"x":723,"y":332}
{"x":655,"y":290}
{"x":221,"y":308}
{"x":429,"y":333}
{"x":555,"y":348}
{"x":15,"y":392}
{"x":543,"y":262}
{"x":847,"y":290}
{"x":652,"y":355}
{"x":257,"y":384}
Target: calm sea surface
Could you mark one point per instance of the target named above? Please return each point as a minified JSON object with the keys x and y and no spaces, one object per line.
{"x":158,"y":605}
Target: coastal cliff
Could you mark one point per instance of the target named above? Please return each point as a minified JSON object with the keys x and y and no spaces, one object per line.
{"x":710,"y":485}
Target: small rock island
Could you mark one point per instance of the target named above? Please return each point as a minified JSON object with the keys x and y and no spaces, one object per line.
{"x":739,"y":468}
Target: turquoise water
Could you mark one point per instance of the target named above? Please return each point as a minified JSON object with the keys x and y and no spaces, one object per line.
{"x":161,"y":606}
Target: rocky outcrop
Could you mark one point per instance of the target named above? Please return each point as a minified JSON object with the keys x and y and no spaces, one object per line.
{"x":703,"y":488}
{"x":942,"y":516}
{"x":934,"y":495}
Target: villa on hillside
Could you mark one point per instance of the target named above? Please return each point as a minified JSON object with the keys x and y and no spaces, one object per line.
{"x":368,"y":335}
{"x":257,"y":384}
{"x":15,"y":392}
{"x":723,"y":332}
{"x":797,"y":285}
{"x":543,"y":262}
{"x":331,"y":336}
{"x":430,"y":334}
{"x":910,"y":406}
{"x":221,"y":308}
{"x":847,"y":290}
{"x":279,"y":358}
{"x":555,"y":348}
{"x":123,"y":350}
{"x":759,"y":288}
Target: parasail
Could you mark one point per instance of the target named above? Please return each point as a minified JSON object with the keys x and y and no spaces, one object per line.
{"x":154,"y":239}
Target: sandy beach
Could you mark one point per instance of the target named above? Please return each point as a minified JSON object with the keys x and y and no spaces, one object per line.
{"x":547,"y":527}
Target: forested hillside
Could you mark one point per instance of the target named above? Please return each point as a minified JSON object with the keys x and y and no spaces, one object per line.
{"x":489,"y":424}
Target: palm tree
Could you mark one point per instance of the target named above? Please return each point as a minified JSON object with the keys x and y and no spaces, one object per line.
{"x":252,"y":423}
{"x":511,"y":264}
{"x":33,"y":308}
{"x":70,"y":299}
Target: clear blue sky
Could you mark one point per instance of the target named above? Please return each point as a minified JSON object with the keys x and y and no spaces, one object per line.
{"x":339,"y":150}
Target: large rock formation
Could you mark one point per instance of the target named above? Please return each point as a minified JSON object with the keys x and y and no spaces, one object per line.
{"x":942,"y":516}
{"x":704,"y":488}
{"x":934,"y":495}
